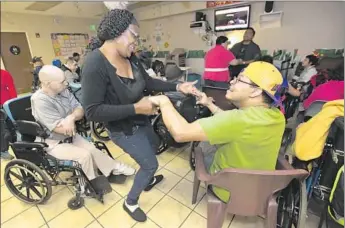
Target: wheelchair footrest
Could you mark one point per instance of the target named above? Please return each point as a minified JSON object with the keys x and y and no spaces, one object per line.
{"x":101,"y":185}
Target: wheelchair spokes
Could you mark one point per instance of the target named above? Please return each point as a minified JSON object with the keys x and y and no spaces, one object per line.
{"x":99,"y":131}
{"x":292,"y":206}
{"x":27,"y":182}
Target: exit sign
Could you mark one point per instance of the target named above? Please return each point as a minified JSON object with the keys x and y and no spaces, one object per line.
{"x":211,"y":4}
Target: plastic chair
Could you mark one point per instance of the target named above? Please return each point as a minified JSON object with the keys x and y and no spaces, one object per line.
{"x":253,"y":192}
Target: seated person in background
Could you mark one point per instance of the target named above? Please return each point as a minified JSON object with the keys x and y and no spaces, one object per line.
{"x":69,"y":69}
{"x":37,"y":65}
{"x":309,"y":71}
{"x":329,"y":91}
{"x":217,"y":61}
{"x":76,"y":57}
{"x":248,"y":137}
{"x":56,"y":109}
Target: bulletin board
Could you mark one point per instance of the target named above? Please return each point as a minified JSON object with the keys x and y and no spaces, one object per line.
{"x":65,"y":44}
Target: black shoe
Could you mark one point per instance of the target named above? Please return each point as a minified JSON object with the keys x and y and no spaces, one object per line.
{"x":138,"y":215}
{"x":155,"y":180}
{"x":117,"y":179}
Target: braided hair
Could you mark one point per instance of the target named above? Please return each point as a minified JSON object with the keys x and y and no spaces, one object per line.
{"x":112,"y":25}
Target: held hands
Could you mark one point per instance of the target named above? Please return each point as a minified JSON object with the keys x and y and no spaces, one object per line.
{"x":202,"y":99}
{"x":145,"y":107}
{"x":68,"y":124}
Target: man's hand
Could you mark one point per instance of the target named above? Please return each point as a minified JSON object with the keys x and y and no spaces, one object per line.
{"x":187,"y":88}
{"x":159,"y":100}
{"x":68,"y":125}
{"x":145,"y":107}
{"x":204,"y":100}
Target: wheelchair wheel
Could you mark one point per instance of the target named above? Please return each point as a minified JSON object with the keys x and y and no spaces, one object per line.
{"x":27,"y":182}
{"x":286,"y":140}
{"x":292,"y":206}
{"x":192,"y":155}
{"x":76,"y":203}
{"x":99,"y":131}
{"x":162,"y":133}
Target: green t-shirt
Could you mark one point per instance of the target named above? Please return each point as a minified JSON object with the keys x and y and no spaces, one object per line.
{"x":249,"y":138}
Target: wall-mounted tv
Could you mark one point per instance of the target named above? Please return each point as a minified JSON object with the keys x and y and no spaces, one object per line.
{"x":232,"y":18}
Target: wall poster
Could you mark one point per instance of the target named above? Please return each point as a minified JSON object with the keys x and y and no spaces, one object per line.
{"x":65,"y":44}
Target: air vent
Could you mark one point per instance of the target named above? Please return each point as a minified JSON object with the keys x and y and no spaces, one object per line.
{"x":42,"y":6}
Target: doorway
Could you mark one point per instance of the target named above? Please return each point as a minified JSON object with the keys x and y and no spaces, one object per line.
{"x":16,"y":56}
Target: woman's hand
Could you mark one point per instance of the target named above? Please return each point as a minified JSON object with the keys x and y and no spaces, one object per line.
{"x":204,"y":100}
{"x":145,"y":107}
{"x":188,"y":88}
{"x":159,"y":100}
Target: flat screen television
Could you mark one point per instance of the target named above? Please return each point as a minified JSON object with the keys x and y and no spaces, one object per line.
{"x":232,"y":18}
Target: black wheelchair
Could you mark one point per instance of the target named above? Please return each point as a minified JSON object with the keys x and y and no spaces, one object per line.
{"x":32,"y":174}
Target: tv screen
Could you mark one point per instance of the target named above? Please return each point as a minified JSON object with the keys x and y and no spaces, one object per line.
{"x":232,"y":18}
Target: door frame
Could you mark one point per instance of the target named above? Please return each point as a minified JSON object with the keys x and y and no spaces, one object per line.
{"x":27,"y":39}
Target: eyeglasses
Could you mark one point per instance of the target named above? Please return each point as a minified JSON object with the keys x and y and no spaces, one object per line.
{"x":237,"y":79}
{"x":135,"y":35}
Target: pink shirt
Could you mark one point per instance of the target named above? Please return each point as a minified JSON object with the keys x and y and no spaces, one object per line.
{"x":329,"y":91}
{"x":218,"y":59}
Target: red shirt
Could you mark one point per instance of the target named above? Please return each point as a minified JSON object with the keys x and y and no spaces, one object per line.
{"x":8,"y":91}
{"x":218,"y":58}
{"x":329,"y":91}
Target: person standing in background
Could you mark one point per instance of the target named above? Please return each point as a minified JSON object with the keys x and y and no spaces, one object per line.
{"x":8,"y":91}
{"x":217,"y":61}
{"x":246,"y":50}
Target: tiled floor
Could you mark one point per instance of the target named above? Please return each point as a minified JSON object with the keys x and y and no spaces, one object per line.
{"x":168,"y":205}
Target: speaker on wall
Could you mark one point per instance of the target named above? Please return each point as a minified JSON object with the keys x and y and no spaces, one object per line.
{"x":200,"y":16}
{"x":269,"y":6}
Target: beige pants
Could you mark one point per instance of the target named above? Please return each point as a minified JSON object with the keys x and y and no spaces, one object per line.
{"x":86,"y":154}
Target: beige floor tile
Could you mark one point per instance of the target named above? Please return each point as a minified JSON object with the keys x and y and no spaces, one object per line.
{"x":31,"y":218}
{"x":195,"y":221}
{"x":116,"y":217}
{"x":165,"y":157}
{"x":123,"y":189}
{"x":248,"y":222}
{"x":169,"y":213}
{"x":185,"y":153}
{"x":76,"y":219}
{"x":178,"y":166}
{"x":56,"y":204}
{"x":44,"y":226}
{"x":97,"y":208}
{"x":190,"y":176}
{"x":169,"y":181}
{"x":115,"y":151}
{"x":201,"y":209}
{"x":149,"y":199}
{"x":5,"y":193}
{"x":313,"y":221}
{"x":94,"y":224}
{"x":11,"y":208}
{"x":147,"y":224}
{"x":183,"y":193}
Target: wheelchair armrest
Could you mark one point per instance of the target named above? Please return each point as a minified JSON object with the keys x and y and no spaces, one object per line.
{"x":31,"y":145}
{"x":31,"y":128}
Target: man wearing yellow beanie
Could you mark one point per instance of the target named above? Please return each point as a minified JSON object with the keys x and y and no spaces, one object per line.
{"x":248,"y":137}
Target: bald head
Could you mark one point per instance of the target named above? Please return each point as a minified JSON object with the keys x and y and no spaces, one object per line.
{"x":50,"y":73}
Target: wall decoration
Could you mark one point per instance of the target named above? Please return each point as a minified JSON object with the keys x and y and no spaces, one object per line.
{"x":37,"y":35}
{"x":211,"y":4}
{"x":166,"y":44}
{"x":65,"y":44}
{"x":15,"y":50}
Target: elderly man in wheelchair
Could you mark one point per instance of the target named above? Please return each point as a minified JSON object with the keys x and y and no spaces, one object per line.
{"x":56,"y":111}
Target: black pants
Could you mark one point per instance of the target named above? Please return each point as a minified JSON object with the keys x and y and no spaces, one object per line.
{"x":7,"y":132}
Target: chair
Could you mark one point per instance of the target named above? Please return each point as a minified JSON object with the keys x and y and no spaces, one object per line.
{"x":218,"y":95}
{"x":253,"y":192}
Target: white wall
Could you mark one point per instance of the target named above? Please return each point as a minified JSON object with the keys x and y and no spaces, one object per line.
{"x":305,"y":26}
{"x":44,"y":25}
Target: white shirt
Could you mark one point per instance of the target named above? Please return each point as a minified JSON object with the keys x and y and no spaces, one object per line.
{"x":306,"y":74}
